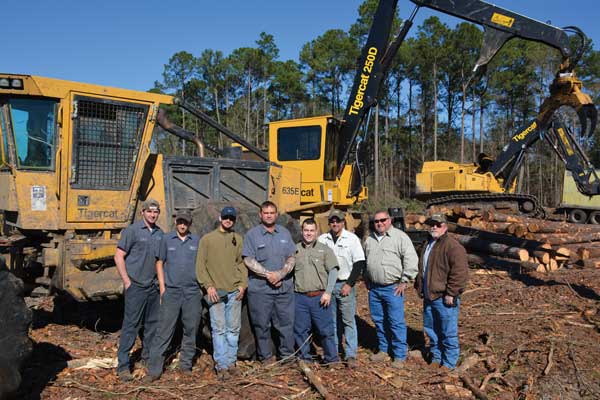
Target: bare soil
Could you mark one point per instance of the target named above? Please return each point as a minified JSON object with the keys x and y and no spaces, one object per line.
{"x":533,"y":336}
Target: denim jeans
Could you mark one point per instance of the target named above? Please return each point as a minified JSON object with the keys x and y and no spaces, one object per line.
{"x":141,"y":309}
{"x":344,"y":308}
{"x":175,"y":300}
{"x":440,"y":323}
{"x":276,"y":309}
{"x":387,"y":312}
{"x":225,"y":323}
{"x":310,"y":312}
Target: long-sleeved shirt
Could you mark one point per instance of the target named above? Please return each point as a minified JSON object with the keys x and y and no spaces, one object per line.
{"x":349,"y":252}
{"x":391,"y":258}
{"x":219,"y":263}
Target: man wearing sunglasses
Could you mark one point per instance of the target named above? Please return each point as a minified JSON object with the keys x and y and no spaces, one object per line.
{"x":442,"y":277}
{"x":349,"y":252}
{"x":391,"y":264}
{"x":222,"y":274}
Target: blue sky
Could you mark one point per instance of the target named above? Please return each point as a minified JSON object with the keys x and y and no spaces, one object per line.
{"x":126,"y":43}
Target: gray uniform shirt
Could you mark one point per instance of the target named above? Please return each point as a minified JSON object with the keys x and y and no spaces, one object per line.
{"x":313,"y":264}
{"x":270,"y":249}
{"x":391,"y":258}
{"x":179,"y":258}
{"x":140,"y":246}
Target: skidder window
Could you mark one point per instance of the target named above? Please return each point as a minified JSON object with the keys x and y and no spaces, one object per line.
{"x":106,"y":141}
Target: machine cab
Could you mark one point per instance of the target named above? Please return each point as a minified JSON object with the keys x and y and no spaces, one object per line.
{"x":311,"y":146}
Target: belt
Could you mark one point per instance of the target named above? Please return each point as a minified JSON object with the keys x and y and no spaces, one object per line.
{"x":314,"y":293}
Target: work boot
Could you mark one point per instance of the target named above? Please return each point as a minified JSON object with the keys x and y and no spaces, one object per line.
{"x":150,"y":378}
{"x":234,"y":371}
{"x":435,"y":364}
{"x":125,"y":376}
{"x":223,"y":375}
{"x":398,"y":364}
{"x":351,"y":362}
{"x":380,"y":357}
{"x":268,"y":361}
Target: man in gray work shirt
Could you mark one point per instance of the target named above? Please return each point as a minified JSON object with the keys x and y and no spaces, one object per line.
{"x":134,"y":259}
{"x":180,"y":293}
{"x":391,"y":263}
{"x":269,"y":255}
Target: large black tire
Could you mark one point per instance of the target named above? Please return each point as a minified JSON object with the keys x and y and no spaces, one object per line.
{"x":577,"y":216}
{"x":594,"y":218}
{"x":15,"y":319}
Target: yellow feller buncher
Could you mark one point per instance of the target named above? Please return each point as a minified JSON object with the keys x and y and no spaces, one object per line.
{"x":495,"y":180}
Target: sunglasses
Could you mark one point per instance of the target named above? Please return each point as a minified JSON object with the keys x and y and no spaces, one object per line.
{"x":228,"y":217}
{"x":380,"y":221}
{"x":334,"y":221}
{"x":437,"y":225}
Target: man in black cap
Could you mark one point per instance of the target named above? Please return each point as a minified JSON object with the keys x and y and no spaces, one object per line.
{"x":222,"y":274}
{"x":442,"y":277}
{"x":135,"y":261}
{"x":179,"y":292}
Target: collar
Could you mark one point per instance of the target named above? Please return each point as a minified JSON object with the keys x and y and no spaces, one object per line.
{"x":343,"y":234}
{"x":173,"y":235}
{"x":264,"y":230}
{"x":142,"y":225}
{"x":312,"y":245}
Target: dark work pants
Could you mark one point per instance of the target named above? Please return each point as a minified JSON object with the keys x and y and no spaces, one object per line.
{"x":141,"y":308}
{"x":175,"y":300}
{"x":276,"y":309}
{"x":309,"y":312}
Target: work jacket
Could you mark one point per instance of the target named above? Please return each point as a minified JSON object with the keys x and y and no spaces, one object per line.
{"x":447,"y":269}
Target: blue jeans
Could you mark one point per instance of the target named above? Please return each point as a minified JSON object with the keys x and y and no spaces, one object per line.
{"x":309,"y":311}
{"x":440,"y":323}
{"x":175,"y":300}
{"x":387,"y":312}
{"x":141,"y":305}
{"x":345,"y":309}
{"x":225,"y":323}
{"x":276,"y":309}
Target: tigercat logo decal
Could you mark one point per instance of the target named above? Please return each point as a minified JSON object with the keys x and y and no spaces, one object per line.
{"x":367,"y":69}
{"x":503,"y":20}
{"x":563,"y":137}
{"x":521,"y":135}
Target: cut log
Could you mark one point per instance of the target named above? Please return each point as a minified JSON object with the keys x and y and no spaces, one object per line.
{"x":498,"y":249}
{"x":492,"y":216}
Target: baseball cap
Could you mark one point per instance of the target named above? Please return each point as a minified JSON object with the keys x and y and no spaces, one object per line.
{"x":335,"y":213}
{"x":184,"y":215}
{"x":436,"y":219}
{"x":228,"y":211}
{"x":150,"y":203}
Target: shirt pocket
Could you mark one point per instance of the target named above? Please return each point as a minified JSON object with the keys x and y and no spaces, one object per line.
{"x":262,"y":253}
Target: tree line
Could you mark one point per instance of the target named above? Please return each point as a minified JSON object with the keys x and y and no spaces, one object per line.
{"x":429,"y":108}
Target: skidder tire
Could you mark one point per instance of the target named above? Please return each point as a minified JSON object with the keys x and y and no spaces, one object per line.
{"x":577,"y":216}
{"x":594,"y":218}
{"x":15,"y":319}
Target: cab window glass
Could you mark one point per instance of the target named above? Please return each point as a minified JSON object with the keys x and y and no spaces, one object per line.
{"x":330,"y":153}
{"x":299,"y":143}
{"x":4,"y":133}
{"x":34,"y":128}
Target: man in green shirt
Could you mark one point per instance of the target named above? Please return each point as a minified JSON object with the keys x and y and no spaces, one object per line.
{"x":223,"y":275}
{"x":315,"y":276}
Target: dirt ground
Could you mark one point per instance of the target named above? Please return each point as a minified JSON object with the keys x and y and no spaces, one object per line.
{"x":530,"y":336}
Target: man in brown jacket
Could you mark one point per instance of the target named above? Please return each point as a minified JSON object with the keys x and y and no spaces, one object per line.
{"x":442,"y":277}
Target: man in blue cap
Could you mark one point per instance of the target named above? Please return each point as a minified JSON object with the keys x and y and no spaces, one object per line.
{"x":180,"y":293}
{"x":222,"y":274}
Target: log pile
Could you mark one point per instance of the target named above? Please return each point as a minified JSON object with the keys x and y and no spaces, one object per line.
{"x":499,"y":236}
